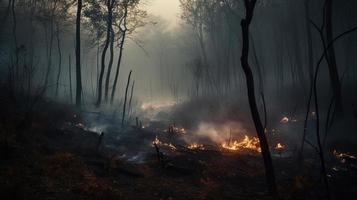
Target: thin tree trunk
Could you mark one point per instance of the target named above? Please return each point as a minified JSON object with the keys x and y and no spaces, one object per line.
{"x":14,"y":27}
{"x":125,"y":98}
{"x":109,"y":65}
{"x":49,"y":58}
{"x":59,"y":60}
{"x":78,"y":55}
{"x":131,"y":96}
{"x":70,"y":78}
{"x":269,"y":169}
{"x":120,"y":55}
{"x":107,"y":41}
{"x":333,"y":70}
{"x":310,"y":54}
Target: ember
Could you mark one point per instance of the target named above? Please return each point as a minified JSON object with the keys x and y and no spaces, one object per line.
{"x":343,"y":155}
{"x":279,"y":146}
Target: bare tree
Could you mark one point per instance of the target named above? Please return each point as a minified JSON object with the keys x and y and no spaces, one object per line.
{"x":269,"y":169}
{"x":78,"y":55}
{"x":125,"y":99}
{"x":109,"y":5}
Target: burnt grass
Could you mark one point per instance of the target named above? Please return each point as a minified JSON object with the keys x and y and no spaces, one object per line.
{"x":54,"y":158}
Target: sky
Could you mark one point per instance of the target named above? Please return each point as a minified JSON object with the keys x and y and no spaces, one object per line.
{"x":167,"y":9}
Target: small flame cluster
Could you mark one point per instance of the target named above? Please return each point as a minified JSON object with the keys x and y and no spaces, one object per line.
{"x":249,"y":144}
{"x":246,"y":143}
{"x":157,"y":142}
{"x":279,"y":146}
{"x":195,"y":146}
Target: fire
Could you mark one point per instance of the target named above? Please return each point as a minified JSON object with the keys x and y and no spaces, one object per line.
{"x":279,"y":146}
{"x":156,"y":141}
{"x":246,"y":143}
{"x":194,"y":146}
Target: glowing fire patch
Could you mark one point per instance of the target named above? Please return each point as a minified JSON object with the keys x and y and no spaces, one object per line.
{"x":195,"y":146}
{"x":284,"y":120}
{"x":157,"y":142}
{"x":279,"y":146}
{"x":246,"y":143}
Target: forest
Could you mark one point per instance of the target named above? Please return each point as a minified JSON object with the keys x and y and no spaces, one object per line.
{"x":178,"y":99}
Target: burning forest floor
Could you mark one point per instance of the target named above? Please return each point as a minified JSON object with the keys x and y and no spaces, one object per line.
{"x":57,"y":157}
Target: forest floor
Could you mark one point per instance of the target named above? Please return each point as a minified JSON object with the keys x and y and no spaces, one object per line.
{"x":55,"y":157}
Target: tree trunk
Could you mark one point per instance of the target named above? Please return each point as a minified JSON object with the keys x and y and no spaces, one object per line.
{"x":126,"y":96}
{"x":310,"y":55}
{"x":70,"y":78}
{"x":120,"y":55}
{"x":59,"y":60}
{"x":131,"y":97}
{"x":78,"y":55}
{"x":269,"y":169}
{"x":106,"y":45}
{"x":109,"y":65}
{"x":333,"y":70}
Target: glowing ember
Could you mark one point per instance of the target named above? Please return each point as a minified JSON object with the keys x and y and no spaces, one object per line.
{"x":246,"y":143}
{"x":159,"y":143}
{"x":156,"y":141}
{"x":279,"y":146}
{"x":194,"y":146}
{"x":343,"y":155}
{"x":284,"y":120}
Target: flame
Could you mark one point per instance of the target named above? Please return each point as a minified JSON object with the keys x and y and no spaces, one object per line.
{"x":279,"y":146}
{"x":156,"y":141}
{"x":194,"y":146}
{"x":246,"y":143}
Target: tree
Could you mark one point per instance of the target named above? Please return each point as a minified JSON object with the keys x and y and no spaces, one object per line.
{"x":269,"y":169}
{"x":78,"y":54}
{"x":332,"y":65}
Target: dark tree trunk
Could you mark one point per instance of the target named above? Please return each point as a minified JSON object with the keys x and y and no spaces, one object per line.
{"x":59,"y":60}
{"x":269,"y":169}
{"x":120,"y":55}
{"x":70,"y":78}
{"x":109,"y":65}
{"x":49,"y":57}
{"x":310,"y":54}
{"x":106,"y":45}
{"x":78,"y":55}
{"x":131,"y":97}
{"x":333,"y":70}
{"x":125,"y":99}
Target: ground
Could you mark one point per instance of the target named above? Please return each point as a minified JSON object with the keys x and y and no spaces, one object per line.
{"x":56,"y":157}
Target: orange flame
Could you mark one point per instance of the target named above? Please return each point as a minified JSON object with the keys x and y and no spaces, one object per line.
{"x":279,"y":146}
{"x":246,"y":143}
{"x":194,"y":146}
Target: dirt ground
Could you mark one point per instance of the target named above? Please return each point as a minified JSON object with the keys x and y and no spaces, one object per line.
{"x":55,"y":157}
